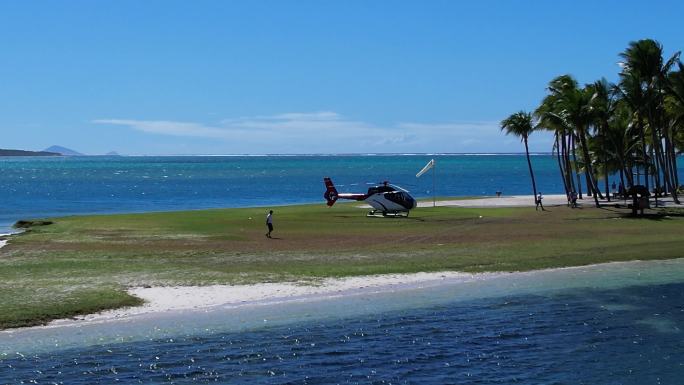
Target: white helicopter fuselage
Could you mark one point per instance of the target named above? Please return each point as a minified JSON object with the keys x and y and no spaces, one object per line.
{"x":384,"y":198}
{"x":381,"y":202}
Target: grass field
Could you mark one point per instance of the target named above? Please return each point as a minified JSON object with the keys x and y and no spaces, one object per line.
{"x":81,"y":265}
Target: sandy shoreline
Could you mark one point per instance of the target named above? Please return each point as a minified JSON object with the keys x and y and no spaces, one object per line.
{"x":3,"y":239}
{"x":502,"y":201}
{"x":203,"y":298}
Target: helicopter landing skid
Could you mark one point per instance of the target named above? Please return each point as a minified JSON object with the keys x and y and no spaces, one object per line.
{"x":387,"y":214}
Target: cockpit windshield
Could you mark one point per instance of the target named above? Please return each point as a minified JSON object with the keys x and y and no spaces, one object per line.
{"x":380,"y":189}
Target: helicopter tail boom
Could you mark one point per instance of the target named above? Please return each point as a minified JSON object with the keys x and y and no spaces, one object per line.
{"x":331,"y":195}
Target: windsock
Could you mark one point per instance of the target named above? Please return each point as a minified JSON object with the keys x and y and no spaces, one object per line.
{"x":425,"y":169}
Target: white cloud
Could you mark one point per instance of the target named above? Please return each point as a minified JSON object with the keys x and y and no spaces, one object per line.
{"x":167,"y":127}
{"x":326,"y":131}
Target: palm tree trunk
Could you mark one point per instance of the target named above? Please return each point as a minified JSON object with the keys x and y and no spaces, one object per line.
{"x":560,"y":164}
{"x":675,"y":176}
{"x":622,"y":179}
{"x":566,"y":159}
{"x":587,"y":163}
{"x":623,"y":169}
{"x":605,"y":168}
{"x":656,"y":147}
{"x":529,"y":164}
{"x":656,"y":174}
{"x":574,"y":160}
{"x":587,"y":180}
{"x":644,"y":151}
{"x":663,"y":154}
{"x":673,"y":155}
{"x":671,"y":159}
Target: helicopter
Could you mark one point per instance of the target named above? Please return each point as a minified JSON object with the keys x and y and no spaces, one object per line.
{"x":385,"y":198}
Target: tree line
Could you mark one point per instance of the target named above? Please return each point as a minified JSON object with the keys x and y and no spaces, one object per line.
{"x":633,"y":129}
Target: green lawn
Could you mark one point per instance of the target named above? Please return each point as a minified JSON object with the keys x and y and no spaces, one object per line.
{"x":83,"y":264}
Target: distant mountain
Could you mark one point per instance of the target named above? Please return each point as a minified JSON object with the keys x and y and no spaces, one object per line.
{"x":5,"y":152}
{"x":62,"y":150}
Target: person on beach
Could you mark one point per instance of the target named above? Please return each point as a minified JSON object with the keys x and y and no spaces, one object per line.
{"x":538,"y":202}
{"x":573,"y":199}
{"x":269,"y":223}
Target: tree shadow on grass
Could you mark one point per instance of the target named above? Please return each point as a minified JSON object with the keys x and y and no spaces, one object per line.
{"x":618,"y":213}
{"x":657,"y":215}
{"x":654,"y":214}
{"x":647,"y":216}
{"x":651,"y":216}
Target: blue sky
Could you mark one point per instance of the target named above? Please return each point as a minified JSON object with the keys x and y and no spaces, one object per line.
{"x":234,"y":77}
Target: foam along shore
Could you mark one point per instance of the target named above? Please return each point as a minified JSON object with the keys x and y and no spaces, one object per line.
{"x":3,"y":239}
{"x":166,"y":299}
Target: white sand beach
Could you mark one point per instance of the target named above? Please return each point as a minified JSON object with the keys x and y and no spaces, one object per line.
{"x":528,"y":201}
{"x":203,"y":298}
{"x":502,"y":201}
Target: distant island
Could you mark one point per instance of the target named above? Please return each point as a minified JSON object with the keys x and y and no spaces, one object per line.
{"x":50,"y":151}
{"x":7,"y":152}
{"x":62,"y":150}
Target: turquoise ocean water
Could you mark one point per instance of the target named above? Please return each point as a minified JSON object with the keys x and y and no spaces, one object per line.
{"x":609,"y":324}
{"x":39,"y":187}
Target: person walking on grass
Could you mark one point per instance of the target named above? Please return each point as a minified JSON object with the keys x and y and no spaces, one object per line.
{"x":269,"y":223}
{"x":539,"y":202}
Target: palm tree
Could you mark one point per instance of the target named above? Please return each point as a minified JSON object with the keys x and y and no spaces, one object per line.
{"x":674,"y":103}
{"x":521,"y":124}
{"x":623,"y":140}
{"x":643,"y":82}
{"x":602,"y":105}
{"x":553,"y":118}
{"x":569,"y":107}
{"x":575,"y":104}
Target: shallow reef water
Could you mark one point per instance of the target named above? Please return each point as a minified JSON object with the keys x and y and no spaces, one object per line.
{"x":606,"y":324}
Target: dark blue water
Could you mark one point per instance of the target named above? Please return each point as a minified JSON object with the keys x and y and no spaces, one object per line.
{"x":630,"y":335}
{"x":40,"y":187}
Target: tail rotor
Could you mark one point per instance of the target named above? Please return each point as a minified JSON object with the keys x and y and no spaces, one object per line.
{"x":330,"y":194}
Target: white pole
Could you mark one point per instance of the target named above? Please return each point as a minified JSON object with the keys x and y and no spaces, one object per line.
{"x":434,"y":204}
